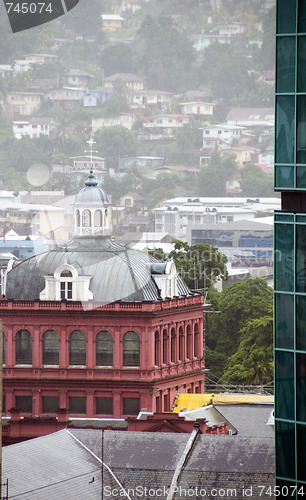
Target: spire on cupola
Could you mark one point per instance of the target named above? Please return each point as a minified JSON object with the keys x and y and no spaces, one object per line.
{"x":92,"y":210}
{"x":91,"y":181}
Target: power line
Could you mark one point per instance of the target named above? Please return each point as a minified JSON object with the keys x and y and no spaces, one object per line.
{"x":55,"y":484}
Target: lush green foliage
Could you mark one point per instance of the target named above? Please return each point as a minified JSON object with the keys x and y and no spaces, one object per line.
{"x":164,"y":55}
{"x":213,"y":177}
{"x":253,"y":361}
{"x":244,"y":307}
{"x":199,"y":265}
{"x":253,"y":181}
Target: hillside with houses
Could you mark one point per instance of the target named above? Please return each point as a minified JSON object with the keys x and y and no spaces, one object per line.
{"x":163,"y":87}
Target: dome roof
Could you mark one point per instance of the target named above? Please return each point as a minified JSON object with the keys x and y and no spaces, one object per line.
{"x":91,"y":194}
{"x":117,"y":272}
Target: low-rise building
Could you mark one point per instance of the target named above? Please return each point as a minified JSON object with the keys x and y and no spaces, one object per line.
{"x":225,"y":133}
{"x":197,"y":108}
{"x":165,"y":124}
{"x":131,"y":81}
{"x":67,"y":97}
{"x":251,"y":117}
{"x":77,"y":78}
{"x":112,"y":22}
{"x":155,"y":99}
{"x":125,"y":120}
{"x":178,"y":214}
{"x":23,"y":103}
{"x":244,"y":242}
{"x":33,"y":128}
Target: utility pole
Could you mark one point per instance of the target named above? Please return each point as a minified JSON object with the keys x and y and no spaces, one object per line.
{"x":1,"y":364}
{"x":102,"y":466}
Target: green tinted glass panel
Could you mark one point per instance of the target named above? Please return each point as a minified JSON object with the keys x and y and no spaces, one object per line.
{"x":301,"y":177}
{"x":285,"y":64}
{"x":284,"y":177}
{"x":283,"y":217}
{"x":285,"y":112}
{"x":301,"y":387}
{"x":301,"y":322}
{"x":301,"y":16}
{"x":283,"y":260}
{"x":301,"y":452}
{"x":286,"y":16}
{"x":301,"y":62}
{"x":301,"y":130}
{"x":300,"y":277}
{"x":285,"y":445}
{"x":284,"y":312}
{"x":301,"y":218}
{"x":284,"y":385}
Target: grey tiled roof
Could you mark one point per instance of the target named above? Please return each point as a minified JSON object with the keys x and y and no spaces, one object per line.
{"x":66,"y":466}
{"x":249,"y":420}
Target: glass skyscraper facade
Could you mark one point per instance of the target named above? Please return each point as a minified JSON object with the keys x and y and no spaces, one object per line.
{"x":290,"y":247}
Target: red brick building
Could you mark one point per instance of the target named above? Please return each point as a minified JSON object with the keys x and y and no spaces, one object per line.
{"x":98,"y":328}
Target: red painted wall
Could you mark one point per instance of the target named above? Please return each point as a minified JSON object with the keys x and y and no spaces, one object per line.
{"x":156,"y":386}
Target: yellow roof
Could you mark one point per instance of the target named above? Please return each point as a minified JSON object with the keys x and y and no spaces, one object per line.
{"x":193,"y":401}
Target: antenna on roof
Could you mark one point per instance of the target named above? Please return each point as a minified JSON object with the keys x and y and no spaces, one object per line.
{"x":91,"y":142}
{"x":91,"y":181}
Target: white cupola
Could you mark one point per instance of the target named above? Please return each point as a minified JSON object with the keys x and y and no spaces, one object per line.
{"x":92,"y":210}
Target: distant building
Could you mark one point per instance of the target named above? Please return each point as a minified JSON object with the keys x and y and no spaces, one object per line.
{"x":251,"y":117}
{"x":132,"y":82}
{"x":34,"y":128}
{"x":244,"y":242}
{"x":66,"y":97}
{"x":112,"y":22}
{"x":23,"y":103}
{"x":77,"y":78}
{"x":179,"y":214}
{"x":125,"y":120}
{"x":197,"y":108}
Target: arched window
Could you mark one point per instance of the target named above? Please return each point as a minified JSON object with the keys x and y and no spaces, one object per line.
{"x":181,"y":344}
{"x":77,"y":348}
{"x":50,"y":343}
{"x":23,"y":346}
{"x":173,"y":346}
{"x":98,"y":218}
{"x":66,"y":284}
{"x":157,"y":347}
{"x":86,"y":218}
{"x":4,"y":349}
{"x":189,"y":343}
{"x":196,"y":341}
{"x":165,"y":347}
{"x":131,"y":349}
{"x":104,"y":349}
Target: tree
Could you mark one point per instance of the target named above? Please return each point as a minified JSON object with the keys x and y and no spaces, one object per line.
{"x":164,"y":55}
{"x":254,"y":182}
{"x":115,"y":142}
{"x":253,"y":361}
{"x":267,"y":52}
{"x":199,"y":265}
{"x":213,"y":177}
{"x":239,"y":303}
{"x":118,"y":58}
{"x":188,"y":141}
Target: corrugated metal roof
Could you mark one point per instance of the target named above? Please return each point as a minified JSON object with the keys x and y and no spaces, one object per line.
{"x":117,"y":272}
{"x":193,"y":401}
